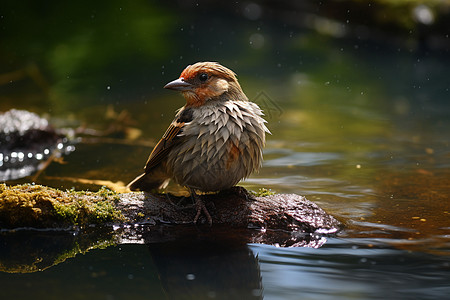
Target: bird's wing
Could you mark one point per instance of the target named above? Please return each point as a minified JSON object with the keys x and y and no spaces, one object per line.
{"x":169,"y":138}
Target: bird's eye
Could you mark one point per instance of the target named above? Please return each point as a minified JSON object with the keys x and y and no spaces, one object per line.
{"x":203,"y":77}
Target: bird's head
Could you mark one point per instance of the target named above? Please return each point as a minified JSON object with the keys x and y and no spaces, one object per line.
{"x":206,"y":81}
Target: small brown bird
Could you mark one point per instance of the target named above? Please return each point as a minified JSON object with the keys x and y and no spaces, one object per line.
{"x":215,"y":140}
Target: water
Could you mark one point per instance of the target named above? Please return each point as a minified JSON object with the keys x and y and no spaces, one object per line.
{"x":342,"y":269}
{"x":359,"y":127}
{"x":352,"y":269}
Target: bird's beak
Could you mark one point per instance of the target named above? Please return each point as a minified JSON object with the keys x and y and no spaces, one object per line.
{"x":179,"y":85}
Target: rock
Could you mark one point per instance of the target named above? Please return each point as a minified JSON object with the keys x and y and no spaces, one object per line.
{"x":283,"y":219}
{"x":26,"y":140}
{"x":235,"y":207}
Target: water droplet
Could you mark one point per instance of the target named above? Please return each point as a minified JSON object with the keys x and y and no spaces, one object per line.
{"x":252,"y":11}
{"x":21,"y":156}
{"x":256,"y":40}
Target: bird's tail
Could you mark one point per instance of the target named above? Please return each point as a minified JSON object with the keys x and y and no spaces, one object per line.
{"x":147,"y":182}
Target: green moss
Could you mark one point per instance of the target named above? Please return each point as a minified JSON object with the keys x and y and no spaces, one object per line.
{"x":263,"y":192}
{"x":90,"y":207}
{"x":40,"y":206}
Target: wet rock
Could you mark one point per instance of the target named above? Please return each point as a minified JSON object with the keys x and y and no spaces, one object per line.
{"x":282,"y":219}
{"x":26,"y":140}
{"x":235,"y":207}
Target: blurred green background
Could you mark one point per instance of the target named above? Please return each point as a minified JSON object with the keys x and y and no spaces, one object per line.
{"x":60,"y":56}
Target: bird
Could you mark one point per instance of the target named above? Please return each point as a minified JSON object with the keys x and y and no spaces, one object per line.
{"x":215,"y":140}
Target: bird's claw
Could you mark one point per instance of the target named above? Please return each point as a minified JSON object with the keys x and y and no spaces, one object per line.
{"x":201,"y":207}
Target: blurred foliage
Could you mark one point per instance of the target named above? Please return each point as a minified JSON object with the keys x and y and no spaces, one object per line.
{"x":69,"y":54}
{"x":338,"y":69}
{"x":84,"y":46}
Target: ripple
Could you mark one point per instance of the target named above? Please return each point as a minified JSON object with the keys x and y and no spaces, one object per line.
{"x":293,"y":181}
{"x":368,"y":268}
{"x":381,"y":226}
{"x":303,"y":159}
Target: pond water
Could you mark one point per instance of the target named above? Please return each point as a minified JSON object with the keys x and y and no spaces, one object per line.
{"x":359,"y":127}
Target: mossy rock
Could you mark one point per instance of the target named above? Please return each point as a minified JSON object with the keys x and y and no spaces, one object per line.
{"x":44,"y":207}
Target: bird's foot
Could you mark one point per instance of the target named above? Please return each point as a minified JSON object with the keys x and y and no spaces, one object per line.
{"x":200,"y":206}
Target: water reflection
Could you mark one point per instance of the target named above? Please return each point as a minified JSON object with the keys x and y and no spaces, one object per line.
{"x":302,"y":159}
{"x":204,"y":268}
{"x":43,"y":249}
{"x":186,"y":264}
{"x":197,"y":265}
{"x":352,"y":269}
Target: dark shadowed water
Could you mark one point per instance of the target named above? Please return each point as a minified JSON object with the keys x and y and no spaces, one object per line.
{"x":361,"y":127}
